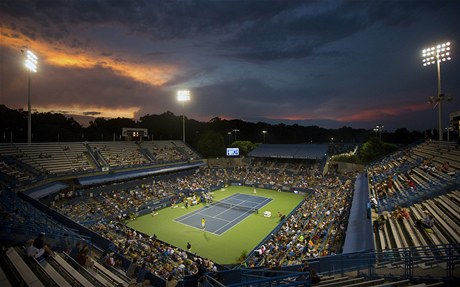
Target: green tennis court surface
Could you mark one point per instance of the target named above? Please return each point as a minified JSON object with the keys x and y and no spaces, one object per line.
{"x":224,"y":248}
{"x":223,"y":215}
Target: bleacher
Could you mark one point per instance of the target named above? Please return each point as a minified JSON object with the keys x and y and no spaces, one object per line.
{"x":12,"y":175}
{"x":59,"y":270}
{"x":37,"y":160}
{"x":168,"y":151}
{"x":50,"y":158}
{"x":119,"y":154}
{"x":20,"y":219}
{"x":406,"y":177}
{"x":402,"y":233}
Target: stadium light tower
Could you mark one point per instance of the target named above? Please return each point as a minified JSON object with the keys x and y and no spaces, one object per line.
{"x":235,"y":131}
{"x":31,"y":65}
{"x":379,"y":128}
{"x":183,"y":96}
{"x":264,"y":133}
{"x":436,"y":55}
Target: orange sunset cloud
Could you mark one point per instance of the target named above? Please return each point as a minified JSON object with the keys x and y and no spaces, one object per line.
{"x":59,"y":54}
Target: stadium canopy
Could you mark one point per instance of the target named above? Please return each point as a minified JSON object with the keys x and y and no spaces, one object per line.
{"x":294,"y":151}
{"x":112,"y":177}
{"x":45,"y":190}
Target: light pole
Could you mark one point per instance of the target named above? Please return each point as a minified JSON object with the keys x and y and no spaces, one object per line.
{"x":437,"y":54}
{"x":376,"y":130}
{"x":264,"y":133}
{"x":31,"y":65}
{"x":379,"y":128}
{"x":448,"y":133}
{"x":235,"y":131}
{"x":229,"y":138}
{"x":183,"y":96}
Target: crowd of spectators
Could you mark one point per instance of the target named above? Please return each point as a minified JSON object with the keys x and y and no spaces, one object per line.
{"x":115,"y":201}
{"x":316,"y":228}
{"x":274,"y":177}
{"x":105,"y":213}
{"x":159,"y":258}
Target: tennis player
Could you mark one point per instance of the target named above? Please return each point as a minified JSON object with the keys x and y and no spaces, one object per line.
{"x":203,"y":223}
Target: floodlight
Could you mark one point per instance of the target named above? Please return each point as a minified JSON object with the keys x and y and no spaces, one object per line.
{"x":437,"y":54}
{"x":183,"y":96}
{"x":30,"y":62}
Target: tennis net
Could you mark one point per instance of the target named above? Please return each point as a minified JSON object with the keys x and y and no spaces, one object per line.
{"x":235,"y":206}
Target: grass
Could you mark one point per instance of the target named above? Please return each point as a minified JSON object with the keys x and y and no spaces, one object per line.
{"x":226,"y":248}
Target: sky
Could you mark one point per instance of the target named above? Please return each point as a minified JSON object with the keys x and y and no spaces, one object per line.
{"x":324,"y":63}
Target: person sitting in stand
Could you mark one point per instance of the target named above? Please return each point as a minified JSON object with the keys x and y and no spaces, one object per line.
{"x":426,"y":223}
{"x":32,"y":251}
{"x":39,"y":243}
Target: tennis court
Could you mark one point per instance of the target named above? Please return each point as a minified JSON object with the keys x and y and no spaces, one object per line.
{"x":223,"y":215}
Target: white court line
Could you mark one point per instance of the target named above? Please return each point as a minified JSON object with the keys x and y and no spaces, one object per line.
{"x":199,"y":228}
{"x":235,"y":219}
{"x":199,"y":210}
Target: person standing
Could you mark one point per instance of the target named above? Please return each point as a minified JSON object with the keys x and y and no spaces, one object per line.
{"x":203,"y":223}
{"x":189,"y":246}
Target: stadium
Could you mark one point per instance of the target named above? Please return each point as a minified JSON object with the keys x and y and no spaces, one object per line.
{"x":268,"y":219}
{"x":240,"y":143}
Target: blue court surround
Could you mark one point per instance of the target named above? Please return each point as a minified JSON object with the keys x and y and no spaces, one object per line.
{"x":219,"y":219}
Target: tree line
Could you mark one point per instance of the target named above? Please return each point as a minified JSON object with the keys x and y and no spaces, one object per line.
{"x":210,"y":138}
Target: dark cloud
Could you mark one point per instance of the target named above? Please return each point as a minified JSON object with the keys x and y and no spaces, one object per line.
{"x":325,"y":62}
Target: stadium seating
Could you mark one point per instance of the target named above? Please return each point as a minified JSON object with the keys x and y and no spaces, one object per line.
{"x":414,"y":178}
{"x":119,"y":154}
{"x":83,"y":157}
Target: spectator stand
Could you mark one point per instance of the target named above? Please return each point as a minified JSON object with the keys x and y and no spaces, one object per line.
{"x":15,"y":173}
{"x":21,"y":221}
{"x":274,"y":231}
{"x":21,"y":270}
{"x":421,"y":180}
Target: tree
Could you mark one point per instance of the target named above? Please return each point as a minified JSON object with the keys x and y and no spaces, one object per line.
{"x":211,"y":144}
{"x":375,"y":149}
{"x":244,"y":146}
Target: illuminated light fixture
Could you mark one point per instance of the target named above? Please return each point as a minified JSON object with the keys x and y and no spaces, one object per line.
{"x":438,"y":55}
{"x":183,"y":96}
{"x":30,"y":62}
